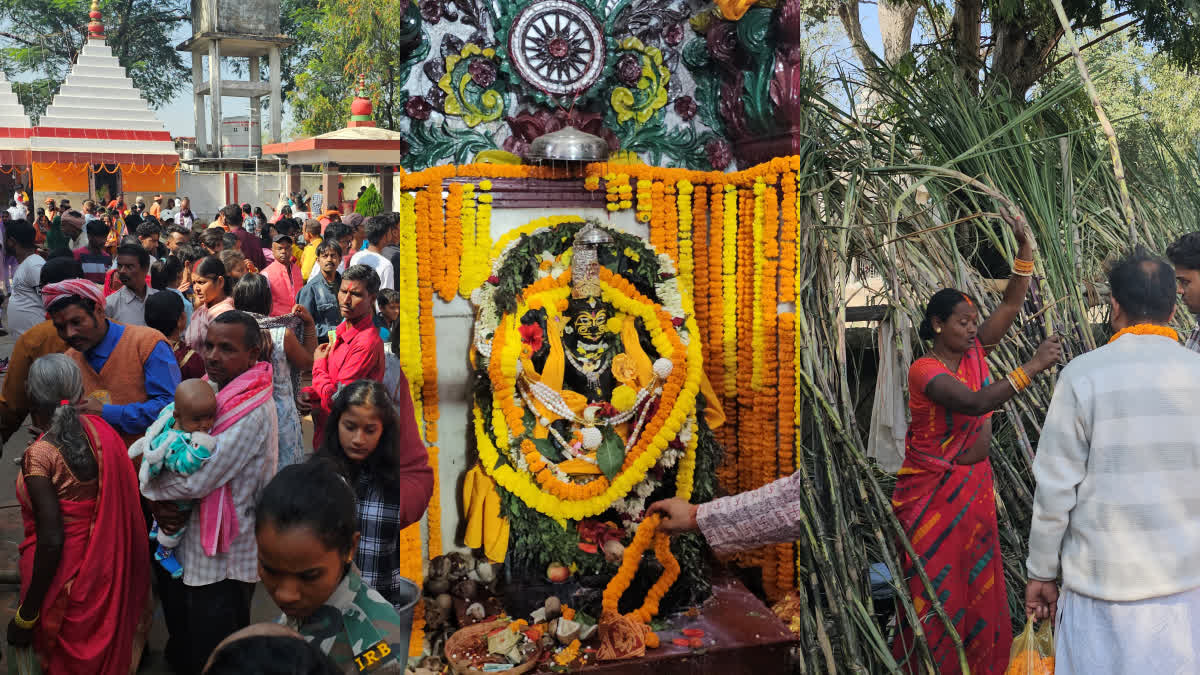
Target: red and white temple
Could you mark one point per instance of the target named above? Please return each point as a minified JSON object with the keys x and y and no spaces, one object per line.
{"x":99,"y":136}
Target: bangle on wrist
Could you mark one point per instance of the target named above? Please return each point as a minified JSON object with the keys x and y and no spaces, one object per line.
{"x":23,"y":623}
{"x":1019,"y":379}
{"x":1022,"y":267}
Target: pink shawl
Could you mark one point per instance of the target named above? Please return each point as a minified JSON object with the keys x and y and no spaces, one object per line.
{"x":218,"y":517}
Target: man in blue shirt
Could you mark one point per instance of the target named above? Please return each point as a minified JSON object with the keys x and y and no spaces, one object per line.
{"x":319,"y":295}
{"x":129,"y":372}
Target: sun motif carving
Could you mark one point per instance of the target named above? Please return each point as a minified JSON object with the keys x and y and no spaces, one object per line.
{"x":557,"y":46}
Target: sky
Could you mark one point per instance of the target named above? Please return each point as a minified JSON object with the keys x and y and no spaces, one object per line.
{"x":179,"y":120}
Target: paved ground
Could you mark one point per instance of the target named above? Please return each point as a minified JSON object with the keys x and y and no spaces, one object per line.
{"x":11,"y":535}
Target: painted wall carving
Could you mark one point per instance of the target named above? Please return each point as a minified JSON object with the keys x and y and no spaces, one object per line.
{"x":675,"y":83}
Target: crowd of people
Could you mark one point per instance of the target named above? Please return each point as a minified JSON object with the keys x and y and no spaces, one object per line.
{"x":195,"y":351}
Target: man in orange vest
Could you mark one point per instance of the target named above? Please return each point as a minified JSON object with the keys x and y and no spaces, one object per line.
{"x":129,"y":372}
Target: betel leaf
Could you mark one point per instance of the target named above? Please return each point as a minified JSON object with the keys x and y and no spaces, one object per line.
{"x":611,"y":453}
{"x":548,"y":449}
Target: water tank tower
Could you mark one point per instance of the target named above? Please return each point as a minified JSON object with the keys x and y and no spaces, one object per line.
{"x":223,"y":29}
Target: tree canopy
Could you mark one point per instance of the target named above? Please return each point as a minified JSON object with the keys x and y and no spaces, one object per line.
{"x":1016,"y":42}
{"x":39,"y":39}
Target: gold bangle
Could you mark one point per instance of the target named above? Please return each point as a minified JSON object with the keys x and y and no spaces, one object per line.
{"x":1022,"y":268}
{"x":1018,"y":379}
{"x":24,"y":624}
{"x":1023,"y":377}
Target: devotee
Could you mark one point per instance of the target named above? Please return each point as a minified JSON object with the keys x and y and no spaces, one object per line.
{"x":129,"y":372}
{"x":72,"y":228}
{"x":25,"y":305}
{"x":268,"y":649}
{"x":213,"y":598}
{"x":319,"y":295}
{"x":232,"y":216}
{"x":944,"y":495}
{"x":128,"y":305}
{"x":312,"y":239}
{"x":165,"y":275}
{"x":156,"y":207}
{"x":168,"y":212}
{"x":235,"y":264}
{"x":89,"y":211}
{"x":380,"y":230}
{"x":308,"y":531}
{"x":378,"y":449}
{"x":1114,"y":513}
{"x":392,"y":250}
{"x":94,"y":257}
{"x":288,"y":356}
{"x":36,"y":342}
{"x":83,"y":596}
{"x":213,"y":240}
{"x":1184,"y":254}
{"x":340,"y":233}
{"x":354,"y":353}
{"x":211,"y":287}
{"x":283,"y":275}
{"x":249,"y":222}
{"x":185,"y":217}
{"x":389,"y":312}
{"x":118,"y":203}
{"x":177,"y":235}
{"x":149,"y":234}
{"x":317,"y":200}
{"x":165,"y":313}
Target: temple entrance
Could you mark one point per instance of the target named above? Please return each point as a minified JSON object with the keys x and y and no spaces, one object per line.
{"x":105,"y":182}
{"x":10,"y":183}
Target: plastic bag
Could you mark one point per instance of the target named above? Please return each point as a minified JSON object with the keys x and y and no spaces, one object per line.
{"x":1032,"y":651}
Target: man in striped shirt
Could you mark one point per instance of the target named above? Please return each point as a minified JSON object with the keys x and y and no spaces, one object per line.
{"x":1185,"y":256}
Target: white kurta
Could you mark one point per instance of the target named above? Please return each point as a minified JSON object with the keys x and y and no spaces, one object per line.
{"x":1156,"y":635}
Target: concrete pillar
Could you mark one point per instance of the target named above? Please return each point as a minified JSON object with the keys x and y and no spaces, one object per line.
{"x":329,"y":183}
{"x":385,"y":186}
{"x":255,"y":112}
{"x":276,"y":96}
{"x":214,"y":94}
{"x":198,"y":102}
{"x":293,"y":179}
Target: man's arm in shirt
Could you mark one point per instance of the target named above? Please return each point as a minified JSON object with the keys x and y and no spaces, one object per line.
{"x":239,"y":448}
{"x":161,"y":373}
{"x":1058,"y":468}
{"x":773,"y":513}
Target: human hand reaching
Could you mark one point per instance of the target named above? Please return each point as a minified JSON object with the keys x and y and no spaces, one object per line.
{"x":677,"y":515}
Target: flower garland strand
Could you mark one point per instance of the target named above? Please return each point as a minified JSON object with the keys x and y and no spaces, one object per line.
{"x":684,"y":228}
{"x":647,"y":534}
{"x":729,"y":258}
{"x":785,"y":578}
{"x":787,"y":239}
{"x":766,"y":401}
{"x":744,"y":401}
{"x":670,"y":235}
{"x":474,"y":267}
{"x":428,"y":266}
{"x":453,"y":252}
{"x":700,"y":262}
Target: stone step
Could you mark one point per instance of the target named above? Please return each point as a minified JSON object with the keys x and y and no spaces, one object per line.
{"x":85,"y":90}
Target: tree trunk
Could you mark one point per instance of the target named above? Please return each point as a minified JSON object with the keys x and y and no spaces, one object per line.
{"x":848,"y":13}
{"x":896,"y":21}
{"x":966,"y":32}
{"x":1021,"y":55}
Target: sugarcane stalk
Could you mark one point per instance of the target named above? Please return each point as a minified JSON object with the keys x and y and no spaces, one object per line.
{"x":1110,"y":134}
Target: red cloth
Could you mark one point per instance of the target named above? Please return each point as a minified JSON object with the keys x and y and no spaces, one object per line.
{"x":93,"y":606}
{"x":80,"y":287}
{"x":356,"y":353}
{"x":412,"y":466}
{"x":251,"y":247}
{"x":285,"y":286}
{"x":949,"y":513}
{"x":191,"y":364}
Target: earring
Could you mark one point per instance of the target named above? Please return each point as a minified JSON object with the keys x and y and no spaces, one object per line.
{"x":937,"y":330}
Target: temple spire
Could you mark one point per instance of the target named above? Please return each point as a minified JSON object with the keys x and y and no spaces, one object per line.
{"x":95,"y":25}
{"x":361,"y":109}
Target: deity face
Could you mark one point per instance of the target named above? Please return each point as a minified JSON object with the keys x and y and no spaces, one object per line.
{"x":590,"y":324}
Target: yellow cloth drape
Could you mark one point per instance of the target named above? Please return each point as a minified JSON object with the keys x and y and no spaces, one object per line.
{"x":486,"y":528}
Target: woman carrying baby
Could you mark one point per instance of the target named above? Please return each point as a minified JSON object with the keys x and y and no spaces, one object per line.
{"x":83,"y":597}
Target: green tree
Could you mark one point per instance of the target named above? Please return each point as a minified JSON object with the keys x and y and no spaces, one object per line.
{"x":378,"y":39}
{"x":39,"y":40}
{"x":1016,"y":41}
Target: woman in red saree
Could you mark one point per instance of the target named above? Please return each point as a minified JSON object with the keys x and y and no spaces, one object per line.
{"x":944,"y":495}
{"x":85,"y":570}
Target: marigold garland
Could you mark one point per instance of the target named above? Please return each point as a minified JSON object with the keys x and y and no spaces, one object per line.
{"x":745,"y":346}
{"x":453,"y":252}
{"x":670,"y":235}
{"x":474,"y":268}
{"x":766,"y":403}
{"x":785,"y":414}
{"x":684,"y":227}
{"x":787,"y":239}
{"x":647,"y":534}
{"x":729,"y":257}
{"x":412,"y":568}
{"x":644,"y":201}
{"x":1146,"y":329}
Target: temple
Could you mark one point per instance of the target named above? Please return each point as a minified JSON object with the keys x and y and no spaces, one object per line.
{"x":14,"y":142}
{"x":72,"y":156}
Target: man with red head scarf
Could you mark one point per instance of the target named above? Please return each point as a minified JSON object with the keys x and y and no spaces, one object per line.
{"x":129,"y":372}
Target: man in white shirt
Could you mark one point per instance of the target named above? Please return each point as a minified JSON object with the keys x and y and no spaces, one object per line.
{"x":128,"y":305}
{"x":1115,"y":514}
{"x":25,"y":309}
{"x":380,"y":231}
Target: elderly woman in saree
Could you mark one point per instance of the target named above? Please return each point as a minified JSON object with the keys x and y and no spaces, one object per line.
{"x":83,"y":597}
